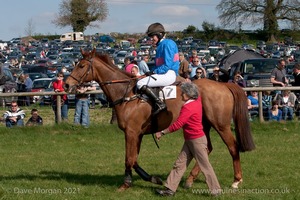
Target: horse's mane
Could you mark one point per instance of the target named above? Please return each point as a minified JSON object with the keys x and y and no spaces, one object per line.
{"x":107,"y":59}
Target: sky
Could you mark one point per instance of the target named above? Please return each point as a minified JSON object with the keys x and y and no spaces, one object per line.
{"x":125,"y":16}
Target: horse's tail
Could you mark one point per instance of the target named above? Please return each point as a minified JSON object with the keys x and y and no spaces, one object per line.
{"x":241,"y":118}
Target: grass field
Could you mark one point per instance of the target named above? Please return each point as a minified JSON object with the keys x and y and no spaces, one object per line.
{"x":67,"y":162}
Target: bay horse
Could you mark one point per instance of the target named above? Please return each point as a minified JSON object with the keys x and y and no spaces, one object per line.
{"x":222,"y":102}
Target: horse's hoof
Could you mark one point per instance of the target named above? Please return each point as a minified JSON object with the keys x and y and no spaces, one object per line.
{"x":235,"y":184}
{"x":189,"y":182}
{"x":156,"y":180}
{"x":123,"y":187}
{"x":188,"y":185}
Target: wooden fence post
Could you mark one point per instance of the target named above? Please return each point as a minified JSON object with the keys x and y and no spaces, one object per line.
{"x":58,"y":108}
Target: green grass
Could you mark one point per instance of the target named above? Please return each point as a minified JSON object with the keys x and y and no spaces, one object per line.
{"x":66,"y":162}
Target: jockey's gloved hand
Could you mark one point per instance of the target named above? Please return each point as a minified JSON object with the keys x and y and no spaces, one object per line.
{"x":149,"y":73}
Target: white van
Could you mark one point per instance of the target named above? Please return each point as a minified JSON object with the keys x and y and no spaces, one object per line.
{"x":74,"y":36}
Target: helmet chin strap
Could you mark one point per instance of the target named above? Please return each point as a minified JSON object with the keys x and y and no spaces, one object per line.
{"x":160,"y":36}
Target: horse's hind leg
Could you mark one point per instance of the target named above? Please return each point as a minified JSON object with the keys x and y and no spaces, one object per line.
{"x":229,"y":140}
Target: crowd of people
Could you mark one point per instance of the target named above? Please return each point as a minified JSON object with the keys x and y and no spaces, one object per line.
{"x":278,"y":105}
{"x":288,"y":101}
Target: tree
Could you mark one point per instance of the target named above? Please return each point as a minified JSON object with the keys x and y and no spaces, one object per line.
{"x":29,"y":29}
{"x":79,"y":14}
{"x":266,"y":12}
{"x":190,"y":29}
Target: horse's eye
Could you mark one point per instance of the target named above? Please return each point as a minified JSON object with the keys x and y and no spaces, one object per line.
{"x":81,"y":65}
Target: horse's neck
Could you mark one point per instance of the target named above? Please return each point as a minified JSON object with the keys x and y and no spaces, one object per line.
{"x":114,"y":83}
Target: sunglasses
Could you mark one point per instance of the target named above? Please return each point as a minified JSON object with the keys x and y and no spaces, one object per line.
{"x":198,"y":72}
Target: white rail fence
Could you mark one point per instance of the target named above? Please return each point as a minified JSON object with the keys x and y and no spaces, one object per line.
{"x":59,"y":94}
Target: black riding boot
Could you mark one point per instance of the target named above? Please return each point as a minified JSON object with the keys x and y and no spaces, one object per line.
{"x":159,"y":104}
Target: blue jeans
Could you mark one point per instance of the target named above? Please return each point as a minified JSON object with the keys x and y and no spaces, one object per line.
{"x":287,"y":113}
{"x":9,"y":124}
{"x":81,"y":115}
{"x":64,"y":111}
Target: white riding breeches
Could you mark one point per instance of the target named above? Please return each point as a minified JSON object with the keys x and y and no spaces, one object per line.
{"x":158,"y":80}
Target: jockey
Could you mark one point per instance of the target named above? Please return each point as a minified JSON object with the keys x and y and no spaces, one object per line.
{"x":166,"y":65}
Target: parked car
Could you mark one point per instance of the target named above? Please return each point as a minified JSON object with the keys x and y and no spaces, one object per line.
{"x":47,"y":99}
{"x":40,"y":85}
{"x":257,"y":72}
{"x":34,"y":76}
{"x":7,"y":85}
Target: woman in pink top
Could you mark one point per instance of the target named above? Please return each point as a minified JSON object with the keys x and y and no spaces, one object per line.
{"x":195,"y":144}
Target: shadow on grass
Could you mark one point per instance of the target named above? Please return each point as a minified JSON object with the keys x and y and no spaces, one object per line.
{"x":82,"y":179}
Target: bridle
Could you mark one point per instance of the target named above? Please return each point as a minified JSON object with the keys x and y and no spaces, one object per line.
{"x":82,"y":79}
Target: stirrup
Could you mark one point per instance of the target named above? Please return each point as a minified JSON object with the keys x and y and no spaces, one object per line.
{"x":159,"y":109}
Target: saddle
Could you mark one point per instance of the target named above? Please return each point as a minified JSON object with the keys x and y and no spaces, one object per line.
{"x":157,"y":90}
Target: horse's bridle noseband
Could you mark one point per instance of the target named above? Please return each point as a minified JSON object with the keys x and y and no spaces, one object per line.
{"x":82,"y":78}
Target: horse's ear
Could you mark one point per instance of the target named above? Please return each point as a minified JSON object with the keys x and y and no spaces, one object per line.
{"x":81,"y":51}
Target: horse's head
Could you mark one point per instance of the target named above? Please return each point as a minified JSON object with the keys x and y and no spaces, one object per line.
{"x":82,"y":72}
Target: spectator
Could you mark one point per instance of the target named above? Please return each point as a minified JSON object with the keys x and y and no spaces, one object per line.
{"x":28,"y":86}
{"x":64,"y":69}
{"x":193,"y":56}
{"x":253,"y":104}
{"x":199,"y":74}
{"x":58,"y":87}
{"x":21,"y":88}
{"x":286,"y":102}
{"x":275,"y":114}
{"x":135,"y":70}
{"x":195,"y":145}
{"x":35,"y":119}
{"x":81,"y":115}
{"x":129,"y":67}
{"x":296,"y":74}
{"x":14,"y":116}
{"x":127,"y":61}
{"x":238,"y":79}
{"x":183,"y":66}
{"x":93,"y":96}
{"x":143,"y":66}
{"x":187,"y":77}
{"x":224,"y":77}
{"x":266,"y":103}
{"x":278,"y":75}
{"x":193,"y":67}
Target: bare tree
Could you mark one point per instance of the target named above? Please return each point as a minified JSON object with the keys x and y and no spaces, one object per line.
{"x":79,"y":14}
{"x":266,"y":12}
{"x":30,"y":28}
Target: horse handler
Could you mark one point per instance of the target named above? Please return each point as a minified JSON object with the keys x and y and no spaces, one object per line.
{"x":195,"y":144}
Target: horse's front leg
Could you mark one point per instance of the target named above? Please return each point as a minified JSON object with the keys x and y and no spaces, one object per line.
{"x":133,"y":144}
{"x":141,"y":172}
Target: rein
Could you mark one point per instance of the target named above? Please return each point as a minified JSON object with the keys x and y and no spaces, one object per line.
{"x":124,"y":98}
{"x":121,"y":80}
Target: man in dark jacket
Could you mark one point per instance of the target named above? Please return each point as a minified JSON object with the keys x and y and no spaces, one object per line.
{"x":296,"y":74}
{"x":224,"y":77}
